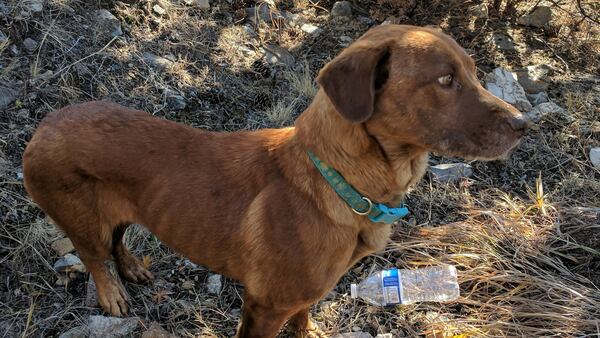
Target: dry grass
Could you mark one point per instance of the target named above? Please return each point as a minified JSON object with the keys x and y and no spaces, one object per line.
{"x":524,"y":233}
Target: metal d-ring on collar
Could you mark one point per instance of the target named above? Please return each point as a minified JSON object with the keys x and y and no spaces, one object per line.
{"x":376,"y":212}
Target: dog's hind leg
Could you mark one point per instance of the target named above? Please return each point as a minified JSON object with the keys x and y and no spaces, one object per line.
{"x":128,"y":265}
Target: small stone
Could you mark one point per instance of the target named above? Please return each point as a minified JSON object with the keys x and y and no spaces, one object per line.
{"x":538,"y":98}
{"x":450,"y":172}
{"x":62,"y":280}
{"x":543,"y":109}
{"x":480,"y":11}
{"x":159,"y":10}
{"x":107,"y":23}
{"x":91,"y":294}
{"x":3,"y":37}
{"x":310,"y":29}
{"x":540,"y":17}
{"x":595,"y":157}
{"x":69,"y":263}
{"x":157,"y":61}
{"x":202,"y":4}
{"x":341,"y":8}
{"x":188,"y":285}
{"x":534,"y":78}
{"x":503,"y":84}
{"x":34,"y":6}
{"x":295,"y":20}
{"x":14,"y":50}
{"x":384,"y":335}
{"x":30,"y":44}
{"x":356,"y":329}
{"x":114,"y":327}
{"x":263,"y":13}
{"x":353,"y":335}
{"x":502,"y":42}
{"x":156,"y":331}
{"x":7,"y":95}
{"x":213,"y":284}
{"x":236,"y":313}
{"x":62,"y":246}
{"x":174,"y":100}
{"x":275,"y":54}
{"x":75,"y":332}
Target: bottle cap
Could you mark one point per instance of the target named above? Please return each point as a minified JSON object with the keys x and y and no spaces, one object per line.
{"x":353,"y":291}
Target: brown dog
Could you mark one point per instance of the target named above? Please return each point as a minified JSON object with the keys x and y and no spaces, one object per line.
{"x":252,"y":205}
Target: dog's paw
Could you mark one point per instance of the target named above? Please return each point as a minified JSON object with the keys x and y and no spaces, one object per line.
{"x":112,"y":298}
{"x":311,"y":331}
{"x":132,"y":270}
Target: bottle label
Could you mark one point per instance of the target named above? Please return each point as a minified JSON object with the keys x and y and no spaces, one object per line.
{"x":390,"y":280}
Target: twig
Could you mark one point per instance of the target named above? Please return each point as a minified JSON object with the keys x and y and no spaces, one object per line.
{"x":585,"y":15}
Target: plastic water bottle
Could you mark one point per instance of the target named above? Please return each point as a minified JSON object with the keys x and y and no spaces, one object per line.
{"x":388,"y":287}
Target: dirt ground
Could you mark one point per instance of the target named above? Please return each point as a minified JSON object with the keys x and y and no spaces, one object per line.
{"x":528,"y":261}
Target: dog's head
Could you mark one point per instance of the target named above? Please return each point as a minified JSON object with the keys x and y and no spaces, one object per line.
{"x":417,"y":86}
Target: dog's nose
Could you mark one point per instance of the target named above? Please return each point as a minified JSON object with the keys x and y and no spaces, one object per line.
{"x":519,"y":123}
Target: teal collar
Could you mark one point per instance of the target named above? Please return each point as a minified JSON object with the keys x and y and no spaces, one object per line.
{"x":360,"y":204}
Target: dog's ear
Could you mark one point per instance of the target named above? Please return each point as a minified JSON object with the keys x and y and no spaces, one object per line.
{"x":352,"y":79}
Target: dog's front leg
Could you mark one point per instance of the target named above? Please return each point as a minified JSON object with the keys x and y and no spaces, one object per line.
{"x":303,"y":327}
{"x":260,"y":320}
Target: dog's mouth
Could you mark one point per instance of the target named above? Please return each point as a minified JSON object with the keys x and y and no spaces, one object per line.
{"x":498,"y":146}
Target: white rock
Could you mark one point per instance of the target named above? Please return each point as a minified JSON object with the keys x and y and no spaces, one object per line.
{"x":540,"y":17}
{"x":159,"y":10}
{"x":34,"y":6}
{"x":276,"y":54}
{"x":213,"y":284}
{"x":534,"y":79}
{"x":75,"y":332}
{"x":30,"y":44}
{"x":113,"y":327}
{"x":202,"y":4}
{"x":107,"y":23}
{"x":62,"y":246}
{"x":7,"y":95}
{"x":69,"y":263}
{"x":503,"y":84}
{"x":341,"y":8}
{"x":450,"y":172}
{"x":595,"y":157}
{"x":353,"y":335}
{"x":157,"y":61}
{"x":538,"y":98}
{"x":542,"y":109}
{"x":310,"y":29}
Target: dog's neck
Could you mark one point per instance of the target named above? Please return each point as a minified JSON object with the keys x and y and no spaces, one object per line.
{"x":379,"y":170}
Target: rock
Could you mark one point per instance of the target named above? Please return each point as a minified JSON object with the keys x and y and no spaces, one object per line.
{"x":595,"y":157}
{"x":30,"y":44}
{"x":538,"y":98}
{"x":294,"y":20}
{"x":202,"y":4}
{"x":91,"y":295}
{"x":7,"y":95}
{"x":213,"y":284}
{"x":275,"y":54}
{"x":69,"y":263}
{"x":187,"y":284}
{"x":157,"y":61}
{"x":542,"y":109}
{"x":450,"y":172}
{"x":353,"y":335}
{"x":3,"y":38}
{"x":156,"y":331}
{"x":503,"y":84}
{"x":107,"y":23}
{"x":34,"y":6}
{"x":159,"y":10}
{"x":503,"y":42}
{"x":62,"y":280}
{"x":534,"y":78}
{"x":174,"y":100}
{"x":14,"y":50}
{"x":310,"y":29}
{"x":263,"y":13}
{"x":540,"y":17}
{"x":62,"y":246}
{"x":480,"y":11}
{"x":384,"y":335}
{"x":341,"y":8}
{"x":112,"y":327}
{"x":75,"y":332}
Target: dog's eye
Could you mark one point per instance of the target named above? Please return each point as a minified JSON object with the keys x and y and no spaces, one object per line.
{"x":445,"y":80}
